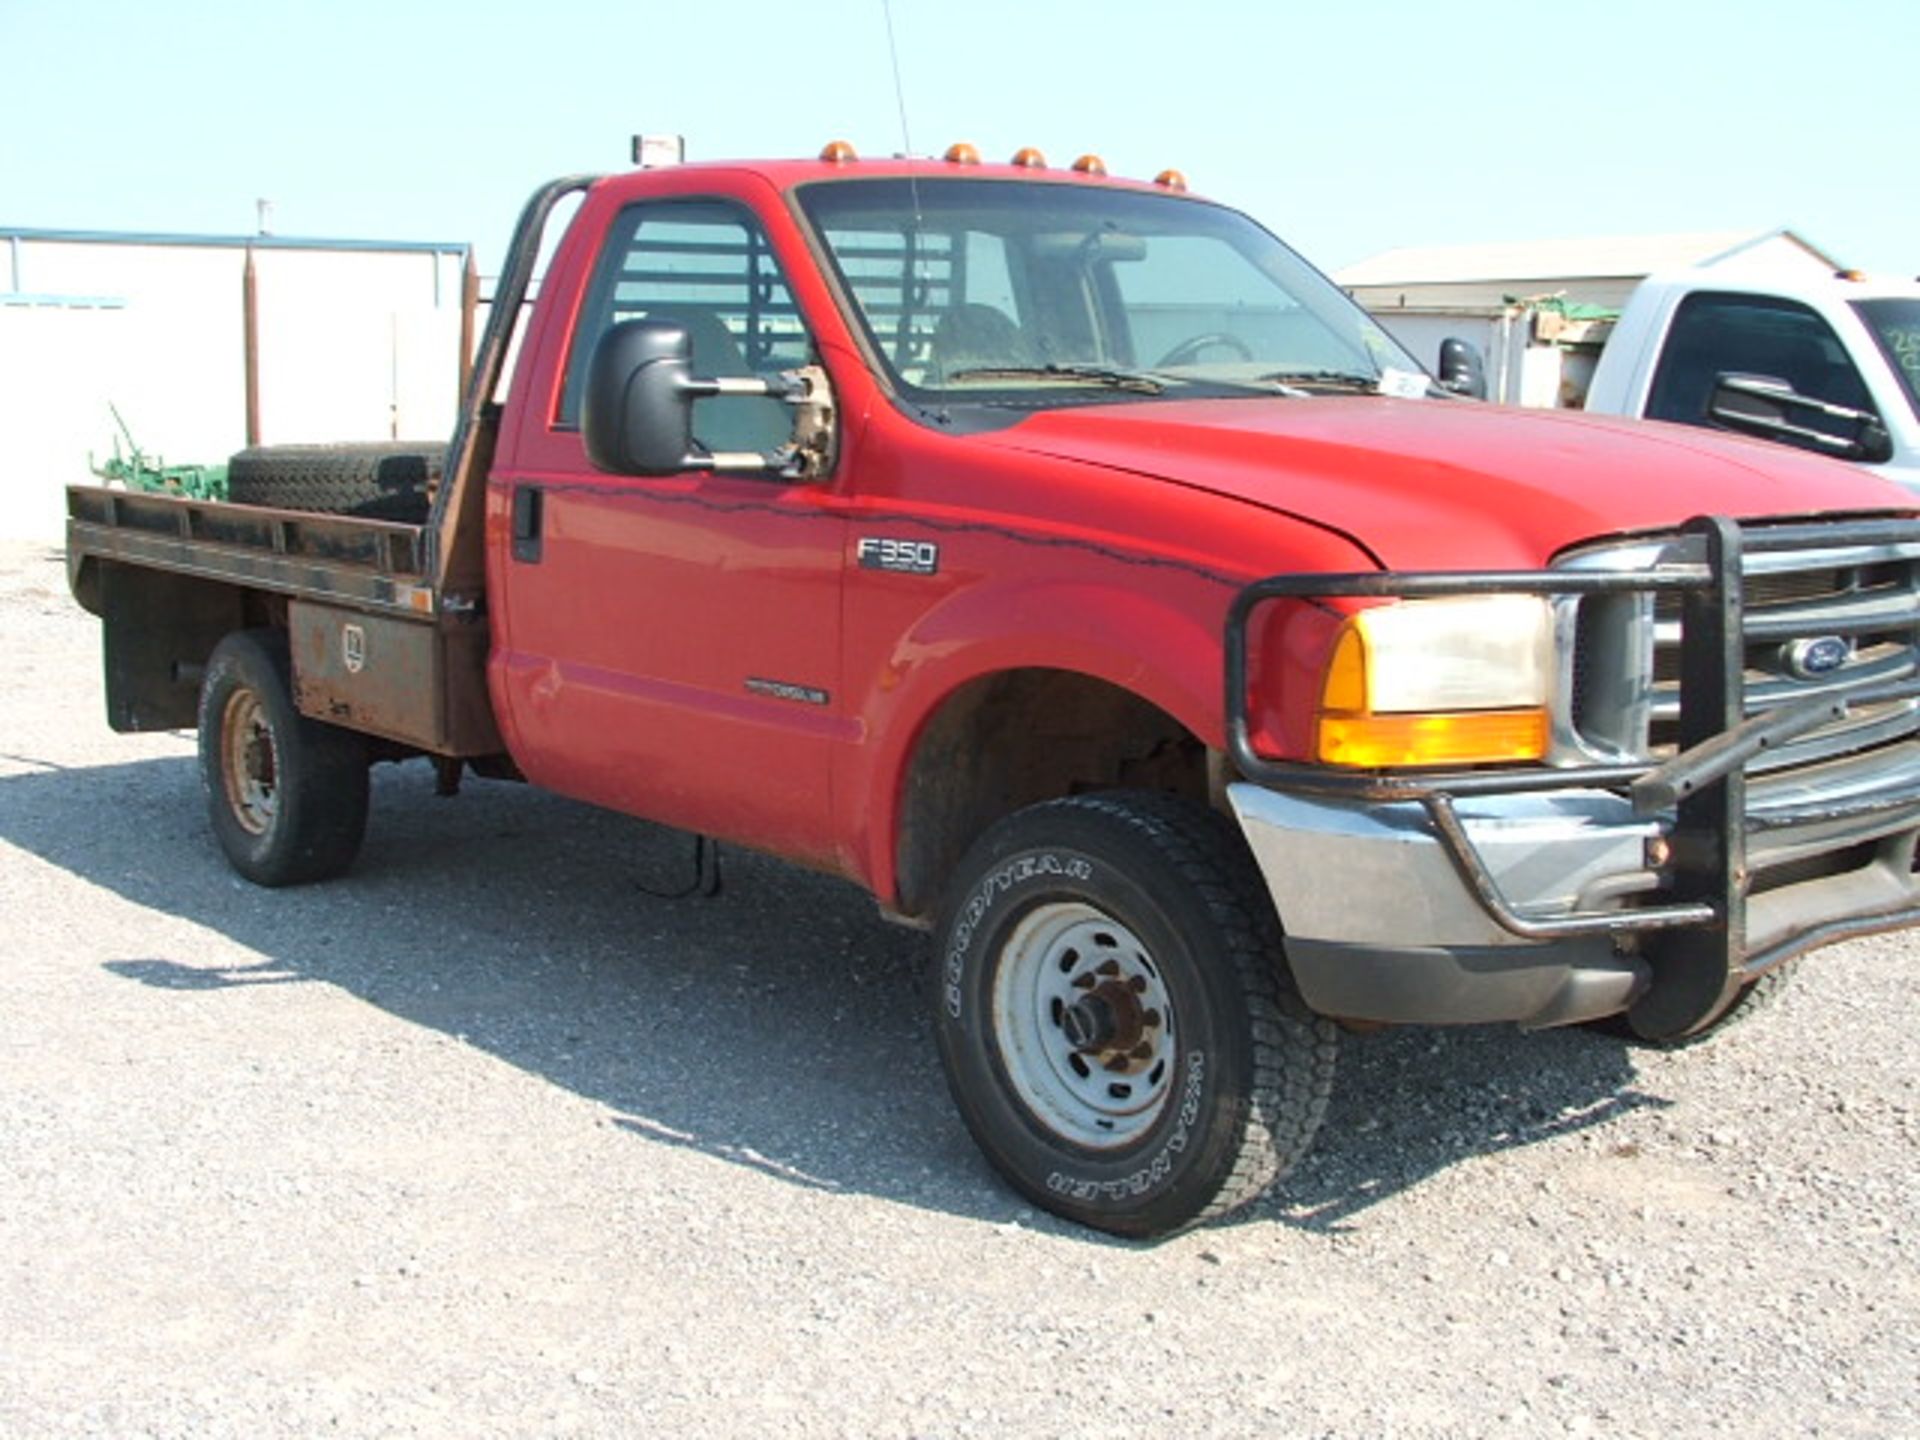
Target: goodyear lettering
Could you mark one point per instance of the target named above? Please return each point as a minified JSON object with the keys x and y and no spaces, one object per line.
{"x":1026,"y":867}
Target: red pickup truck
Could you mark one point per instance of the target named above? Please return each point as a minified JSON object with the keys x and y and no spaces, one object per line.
{"x":1067,"y":562}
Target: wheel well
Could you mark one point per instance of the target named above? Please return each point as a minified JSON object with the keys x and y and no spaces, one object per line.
{"x":1014,"y":739}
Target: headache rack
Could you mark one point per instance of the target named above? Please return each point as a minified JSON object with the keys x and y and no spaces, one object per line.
{"x":1802,"y":770}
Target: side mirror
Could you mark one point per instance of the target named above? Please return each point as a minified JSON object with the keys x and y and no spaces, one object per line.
{"x":1462,"y":369}
{"x":1772,"y":409}
{"x":636,"y":414}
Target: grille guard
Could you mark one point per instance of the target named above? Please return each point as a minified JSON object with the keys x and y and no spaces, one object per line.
{"x":1695,"y":936}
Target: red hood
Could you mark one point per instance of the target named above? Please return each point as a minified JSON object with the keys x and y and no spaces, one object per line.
{"x":1410,"y":480}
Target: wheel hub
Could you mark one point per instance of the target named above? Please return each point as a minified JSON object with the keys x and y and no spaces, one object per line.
{"x":1109,"y":1022}
{"x":1089,"y":1025}
{"x":257,"y":757}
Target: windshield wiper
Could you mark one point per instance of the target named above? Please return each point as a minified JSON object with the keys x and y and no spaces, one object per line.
{"x":1327,"y":379}
{"x":1106,"y":375}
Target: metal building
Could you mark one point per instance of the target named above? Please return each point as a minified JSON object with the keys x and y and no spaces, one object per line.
{"x":202,"y":343}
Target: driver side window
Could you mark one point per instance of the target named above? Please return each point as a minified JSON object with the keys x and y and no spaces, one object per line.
{"x":706,"y":266}
{"x":1717,"y":334}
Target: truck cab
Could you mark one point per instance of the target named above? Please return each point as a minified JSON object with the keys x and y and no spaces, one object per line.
{"x":1829,"y":364}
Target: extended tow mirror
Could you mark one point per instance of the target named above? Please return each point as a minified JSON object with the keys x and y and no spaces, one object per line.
{"x":1763,"y":404}
{"x":636,"y":414}
{"x":1462,"y":370}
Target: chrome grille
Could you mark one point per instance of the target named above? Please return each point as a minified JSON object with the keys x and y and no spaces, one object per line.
{"x":1862,"y":602}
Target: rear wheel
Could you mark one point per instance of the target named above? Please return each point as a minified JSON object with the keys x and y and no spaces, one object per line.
{"x":287,"y":796}
{"x":1115,"y":1016}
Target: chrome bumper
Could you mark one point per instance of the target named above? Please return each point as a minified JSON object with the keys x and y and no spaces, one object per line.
{"x":1383,"y":925}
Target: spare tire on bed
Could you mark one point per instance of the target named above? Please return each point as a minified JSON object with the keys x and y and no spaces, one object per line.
{"x":391,"y":480}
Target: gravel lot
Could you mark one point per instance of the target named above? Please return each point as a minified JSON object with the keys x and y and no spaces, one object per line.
{"x":483,"y":1140}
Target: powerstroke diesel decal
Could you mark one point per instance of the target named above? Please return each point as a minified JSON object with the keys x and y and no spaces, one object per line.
{"x":901,"y":557}
{"x":786,"y":690}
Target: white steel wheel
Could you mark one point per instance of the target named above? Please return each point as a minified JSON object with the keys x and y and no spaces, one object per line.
{"x":1084,"y":1025}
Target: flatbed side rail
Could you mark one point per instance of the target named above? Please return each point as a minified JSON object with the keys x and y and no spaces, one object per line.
{"x":372,"y":565}
{"x":1703,"y":786}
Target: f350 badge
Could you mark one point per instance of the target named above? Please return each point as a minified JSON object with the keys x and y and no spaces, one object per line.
{"x":902,"y":557}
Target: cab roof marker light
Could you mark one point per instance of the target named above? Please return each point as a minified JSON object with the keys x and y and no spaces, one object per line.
{"x":1090,"y":165}
{"x":961,"y":153}
{"x":1029,"y":158}
{"x":837,"y":152}
{"x":1170,"y":180}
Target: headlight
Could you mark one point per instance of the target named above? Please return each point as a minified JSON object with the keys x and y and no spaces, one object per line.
{"x":1439,"y":682}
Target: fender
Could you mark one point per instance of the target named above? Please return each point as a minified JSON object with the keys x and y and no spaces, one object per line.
{"x":1160,"y":642}
{"x":1163,"y":647}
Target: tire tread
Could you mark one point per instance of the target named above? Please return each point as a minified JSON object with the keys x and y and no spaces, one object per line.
{"x":390,"y":480}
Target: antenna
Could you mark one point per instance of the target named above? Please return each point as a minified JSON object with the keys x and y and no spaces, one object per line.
{"x":899,"y":89}
{"x":913,"y":286}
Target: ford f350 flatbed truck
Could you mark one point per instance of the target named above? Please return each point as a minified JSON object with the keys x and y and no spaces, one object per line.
{"x":1068,"y":563}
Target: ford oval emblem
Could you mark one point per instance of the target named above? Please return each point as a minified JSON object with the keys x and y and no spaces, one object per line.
{"x":1817,"y":655}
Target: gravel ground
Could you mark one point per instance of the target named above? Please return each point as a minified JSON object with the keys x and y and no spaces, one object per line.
{"x":483,"y":1140}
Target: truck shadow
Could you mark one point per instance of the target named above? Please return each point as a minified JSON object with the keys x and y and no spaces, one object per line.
{"x":779,"y":1026}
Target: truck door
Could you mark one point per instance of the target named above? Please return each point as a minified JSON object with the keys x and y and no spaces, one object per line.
{"x":669,"y":646}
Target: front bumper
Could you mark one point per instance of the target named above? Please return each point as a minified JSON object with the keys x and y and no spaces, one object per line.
{"x":1382,"y":926}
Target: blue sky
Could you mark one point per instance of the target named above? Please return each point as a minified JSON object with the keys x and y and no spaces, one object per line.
{"x":1347,"y":129}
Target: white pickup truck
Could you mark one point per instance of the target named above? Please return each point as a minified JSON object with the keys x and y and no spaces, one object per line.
{"x":1828,"y":362}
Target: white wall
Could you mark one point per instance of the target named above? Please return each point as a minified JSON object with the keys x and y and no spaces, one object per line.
{"x":354,"y":344}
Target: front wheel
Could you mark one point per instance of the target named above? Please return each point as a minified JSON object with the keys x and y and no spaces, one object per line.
{"x":287,"y":796}
{"x":1116,"y":1019}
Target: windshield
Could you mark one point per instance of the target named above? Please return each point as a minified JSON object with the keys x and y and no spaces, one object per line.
{"x":1895,"y":324}
{"x":1059,"y":293}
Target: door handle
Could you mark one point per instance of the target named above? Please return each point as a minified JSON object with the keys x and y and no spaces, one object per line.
{"x":529,"y":511}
